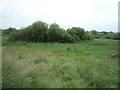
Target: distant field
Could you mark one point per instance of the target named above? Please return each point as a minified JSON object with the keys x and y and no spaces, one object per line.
{"x":85,"y":64}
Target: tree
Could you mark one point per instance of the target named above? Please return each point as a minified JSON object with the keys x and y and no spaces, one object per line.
{"x":39,"y":32}
{"x":9,"y":30}
{"x":116,"y":36}
{"x":88,"y":36}
{"x":14,"y":36}
{"x":54,"y":32}
{"x":77,"y":33}
{"x":94,"y":32}
{"x":104,"y":32}
{"x":57,"y":34}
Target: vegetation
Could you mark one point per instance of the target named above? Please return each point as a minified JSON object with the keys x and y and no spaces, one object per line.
{"x":57,"y":34}
{"x":57,"y":65}
{"x":33,"y":33}
{"x":7,"y":31}
{"x":105,"y":35}
{"x":79,"y":34}
{"x":39,"y":32}
{"x":74,"y":60}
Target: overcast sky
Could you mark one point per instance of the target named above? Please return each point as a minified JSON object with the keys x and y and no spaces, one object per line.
{"x":100,"y":15}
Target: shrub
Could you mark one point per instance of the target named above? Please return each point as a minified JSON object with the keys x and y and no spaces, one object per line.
{"x":39,"y":32}
{"x":8,"y":31}
{"x":96,"y":36}
{"x":79,"y":34}
{"x":94,"y":32}
{"x":33,"y":33}
{"x":108,"y":36}
{"x":14,"y":36}
{"x":116,"y":36}
{"x":57,"y":34}
{"x":88,"y":36}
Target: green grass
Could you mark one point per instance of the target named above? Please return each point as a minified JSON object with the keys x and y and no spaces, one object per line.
{"x":85,"y":64}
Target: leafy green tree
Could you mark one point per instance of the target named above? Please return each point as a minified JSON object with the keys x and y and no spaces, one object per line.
{"x":116,"y":36}
{"x":54,"y":32}
{"x":104,"y":32}
{"x":35,"y":32}
{"x":77,"y":33}
{"x":14,"y":36}
{"x":88,"y":36}
{"x":57,"y":34}
{"x":8,"y":30}
{"x":39,"y":32}
{"x":94,"y":32}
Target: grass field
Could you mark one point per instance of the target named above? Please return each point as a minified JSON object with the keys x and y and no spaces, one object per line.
{"x":85,"y":64}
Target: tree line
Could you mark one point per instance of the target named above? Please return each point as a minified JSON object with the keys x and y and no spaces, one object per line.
{"x":40,"y":32}
{"x":105,"y":35}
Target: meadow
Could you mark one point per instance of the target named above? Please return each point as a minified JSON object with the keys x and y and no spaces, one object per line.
{"x":84,"y":64}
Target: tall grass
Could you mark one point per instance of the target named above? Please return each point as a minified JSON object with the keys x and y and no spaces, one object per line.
{"x":52,"y":65}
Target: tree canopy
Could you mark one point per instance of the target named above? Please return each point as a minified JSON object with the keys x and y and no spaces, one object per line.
{"x":39,"y":32}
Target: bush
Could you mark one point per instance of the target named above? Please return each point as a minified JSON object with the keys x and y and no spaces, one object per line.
{"x":94,"y":32}
{"x":116,"y":36}
{"x":36,"y":32}
{"x":57,"y":34}
{"x":39,"y":32}
{"x":88,"y":36}
{"x":14,"y":36}
{"x":8,"y":31}
{"x":109,"y":36}
{"x":79,"y":34}
{"x":96,"y":36}
{"x":33,"y":33}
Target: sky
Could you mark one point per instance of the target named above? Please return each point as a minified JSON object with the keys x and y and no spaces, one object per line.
{"x":100,"y":15}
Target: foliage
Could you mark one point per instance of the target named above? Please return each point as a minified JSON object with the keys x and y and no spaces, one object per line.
{"x":88,"y":36}
{"x":105,"y":35}
{"x":39,"y":32}
{"x":8,"y":31}
{"x":33,"y":33}
{"x":57,"y":34}
{"x":79,"y":34}
{"x":15,"y":36}
{"x":52,"y":65}
{"x":104,"y":32}
{"x":108,"y":36}
{"x":116,"y":36}
{"x":94,"y":32}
